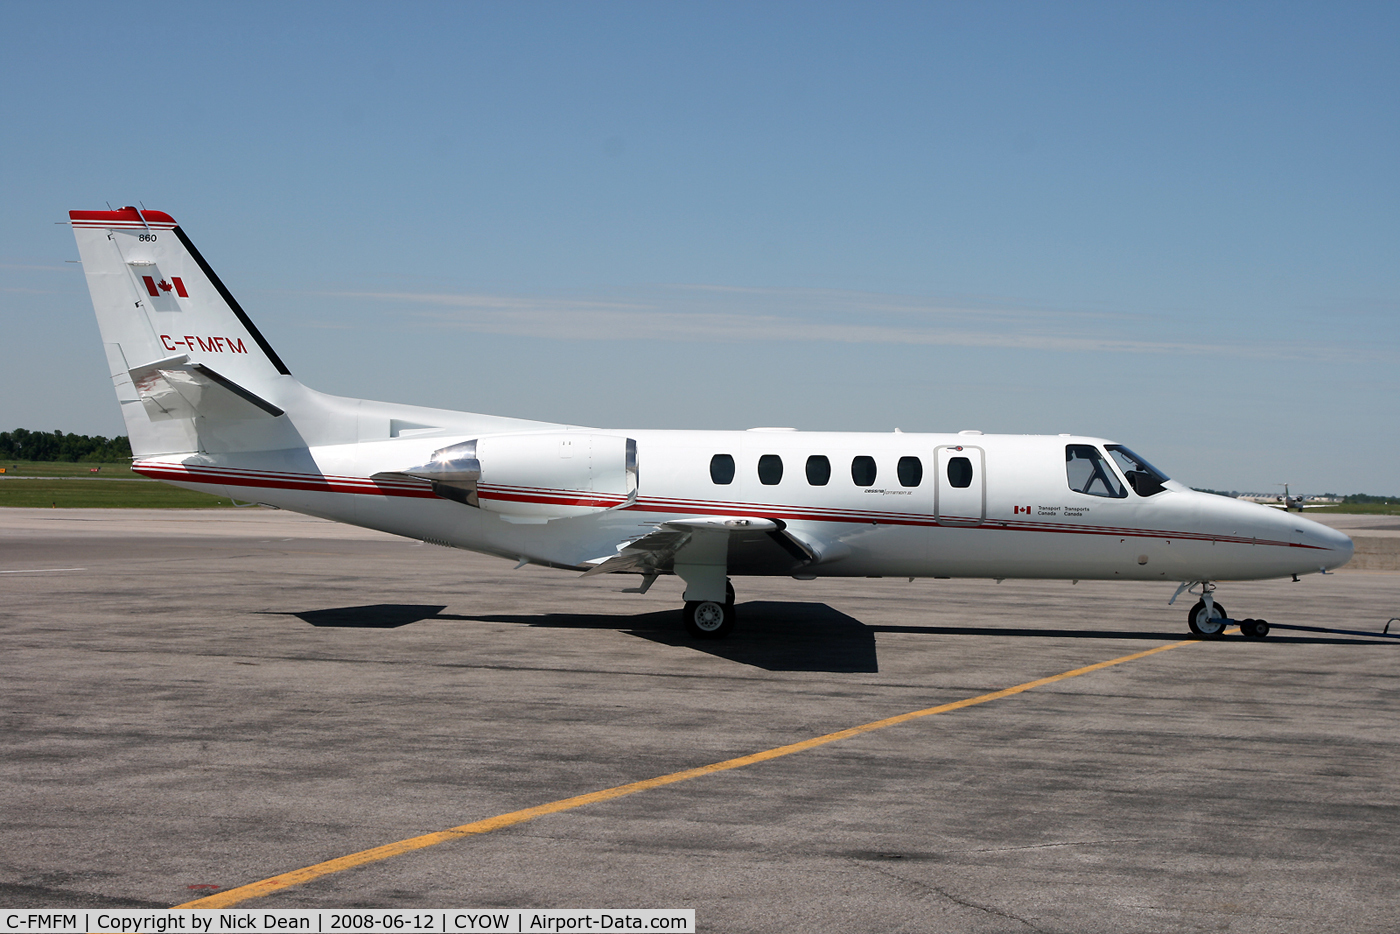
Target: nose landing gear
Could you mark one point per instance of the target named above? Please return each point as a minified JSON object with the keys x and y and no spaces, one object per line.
{"x":1208,"y":618}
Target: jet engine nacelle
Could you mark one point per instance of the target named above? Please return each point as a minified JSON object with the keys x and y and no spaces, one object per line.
{"x":545,"y":475}
{"x":555,"y":474}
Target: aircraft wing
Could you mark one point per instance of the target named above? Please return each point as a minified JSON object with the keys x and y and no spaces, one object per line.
{"x":658,"y":549}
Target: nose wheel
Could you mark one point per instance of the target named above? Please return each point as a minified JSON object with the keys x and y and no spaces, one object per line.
{"x":1207,"y":620}
{"x":1211,"y":621}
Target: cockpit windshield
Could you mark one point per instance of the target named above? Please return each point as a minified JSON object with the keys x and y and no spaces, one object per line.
{"x":1088,"y":472}
{"x":1145,"y":479}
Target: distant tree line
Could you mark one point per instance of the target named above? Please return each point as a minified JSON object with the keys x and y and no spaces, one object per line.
{"x":25,"y":445}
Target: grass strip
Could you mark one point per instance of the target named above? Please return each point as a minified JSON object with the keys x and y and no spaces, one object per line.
{"x":103,"y":494}
{"x":1357,"y":509}
{"x":67,"y":469}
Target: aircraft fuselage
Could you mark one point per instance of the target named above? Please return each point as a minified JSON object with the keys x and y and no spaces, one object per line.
{"x":1018,"y":517}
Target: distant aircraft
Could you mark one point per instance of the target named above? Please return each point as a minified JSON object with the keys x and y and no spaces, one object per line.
{"x":209,"y":405}
{"x":1288,"y":501}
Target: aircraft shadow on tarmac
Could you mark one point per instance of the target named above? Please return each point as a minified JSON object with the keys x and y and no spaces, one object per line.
{"x":1273,"y":638}
{"x":375,"y":616}
{"x":772,"y":636}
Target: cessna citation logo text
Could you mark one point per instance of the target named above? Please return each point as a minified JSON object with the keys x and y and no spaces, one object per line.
{"x":206,"y":344}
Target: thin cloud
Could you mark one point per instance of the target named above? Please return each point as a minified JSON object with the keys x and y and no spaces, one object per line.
{"x":708,"y":313}
{"x":846,"y":299}
{"x":489,"y":302}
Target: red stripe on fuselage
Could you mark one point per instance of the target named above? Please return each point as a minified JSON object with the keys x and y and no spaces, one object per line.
{"x":311,"y":483}
{"x":227,"y":476}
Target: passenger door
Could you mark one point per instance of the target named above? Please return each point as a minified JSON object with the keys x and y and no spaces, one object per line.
{"x":962,"y":497}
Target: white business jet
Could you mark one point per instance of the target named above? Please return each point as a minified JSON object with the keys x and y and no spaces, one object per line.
{"x":1288,"y":501}
{"x":210,"y":406}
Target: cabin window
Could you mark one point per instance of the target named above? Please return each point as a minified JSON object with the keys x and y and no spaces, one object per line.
{"x":959,"y":472}
{"x":863,"y":471}
{"x":910,"y":471}
{"x":818,"y":470}
{"x":770,"y":470}
{"x":722,"y":469}
{"x":1088,"y":472}
{"x":1145,"y":479}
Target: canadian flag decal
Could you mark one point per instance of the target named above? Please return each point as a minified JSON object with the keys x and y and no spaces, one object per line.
{"x":1021,"y":509}
{"x":155,"y":288}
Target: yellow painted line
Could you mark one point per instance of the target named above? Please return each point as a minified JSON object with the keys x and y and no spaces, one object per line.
{"x":286,"y":880}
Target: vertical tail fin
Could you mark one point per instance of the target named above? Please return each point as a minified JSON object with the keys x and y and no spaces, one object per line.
{"x":180,"y":348}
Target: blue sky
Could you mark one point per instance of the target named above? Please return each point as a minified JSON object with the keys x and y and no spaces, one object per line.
{"x":1175,"y":225}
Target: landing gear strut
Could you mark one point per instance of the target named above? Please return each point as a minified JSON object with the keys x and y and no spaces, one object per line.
{"x":706,"y":619}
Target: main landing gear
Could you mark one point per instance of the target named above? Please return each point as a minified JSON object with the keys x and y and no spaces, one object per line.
{"x":706,"y":619}
{"x":1208,"y":618}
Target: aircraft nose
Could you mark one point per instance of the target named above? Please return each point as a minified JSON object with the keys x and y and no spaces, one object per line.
{"x":1339,"y":546}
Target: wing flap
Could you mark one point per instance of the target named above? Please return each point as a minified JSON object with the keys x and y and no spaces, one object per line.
{"x":658,"y":548}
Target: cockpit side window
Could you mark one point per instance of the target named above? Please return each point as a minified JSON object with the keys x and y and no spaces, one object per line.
{"x":1088,"y":472}
{"x":1145,"y":479}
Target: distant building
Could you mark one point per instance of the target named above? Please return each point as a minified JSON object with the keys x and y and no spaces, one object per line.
{"x":1295,"y":497}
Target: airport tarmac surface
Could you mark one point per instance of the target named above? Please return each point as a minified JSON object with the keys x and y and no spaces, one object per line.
{"x":197,"y":700}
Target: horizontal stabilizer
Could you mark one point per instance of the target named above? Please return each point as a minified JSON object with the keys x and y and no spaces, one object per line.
{"x":176,"y":388}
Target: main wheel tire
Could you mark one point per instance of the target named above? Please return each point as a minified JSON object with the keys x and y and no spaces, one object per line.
{"x":706,"y":619}
{"x":1203,"y":624}
{"x":729,"y":592}
{"x":1255,"y":628}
